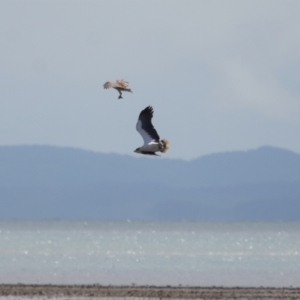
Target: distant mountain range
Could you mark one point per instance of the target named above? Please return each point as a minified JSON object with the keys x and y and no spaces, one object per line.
{"x":43,"y":182}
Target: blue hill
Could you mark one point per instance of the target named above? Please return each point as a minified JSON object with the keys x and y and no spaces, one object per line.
{"x":43,"y":182}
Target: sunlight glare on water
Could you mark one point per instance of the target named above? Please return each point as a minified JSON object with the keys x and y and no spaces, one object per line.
{"x":160,"y":253}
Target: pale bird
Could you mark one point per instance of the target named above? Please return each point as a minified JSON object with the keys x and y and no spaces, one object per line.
{"x":152,"y":142}
{"x":119,"y":85}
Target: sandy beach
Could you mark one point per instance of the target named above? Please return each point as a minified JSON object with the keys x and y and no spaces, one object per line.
{"x":15,"y":291}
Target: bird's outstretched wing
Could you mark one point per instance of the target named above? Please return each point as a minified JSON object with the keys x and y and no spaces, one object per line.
{"x":144,"y":126}
{"x":122,"y":83}
{"x":108,"y":85}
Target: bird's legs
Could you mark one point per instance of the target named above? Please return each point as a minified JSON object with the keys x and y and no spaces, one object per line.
{"x":120,"y":97}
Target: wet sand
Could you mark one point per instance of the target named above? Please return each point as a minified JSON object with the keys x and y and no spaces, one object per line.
{"x":145,"y":292}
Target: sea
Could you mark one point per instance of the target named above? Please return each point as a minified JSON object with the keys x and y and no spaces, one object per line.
{"x":245,"y":254}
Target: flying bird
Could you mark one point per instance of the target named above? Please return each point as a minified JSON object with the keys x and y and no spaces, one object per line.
{"x":119,"y":85}
{"x":149,"y":134}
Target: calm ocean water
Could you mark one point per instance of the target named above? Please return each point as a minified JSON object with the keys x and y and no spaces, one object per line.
{"x":158,"y":253}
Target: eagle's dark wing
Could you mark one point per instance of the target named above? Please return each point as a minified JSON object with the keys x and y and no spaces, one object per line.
{"x":144,"y":126}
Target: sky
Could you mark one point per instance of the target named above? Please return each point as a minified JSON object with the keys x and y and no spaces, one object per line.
{"x":220,"y":75}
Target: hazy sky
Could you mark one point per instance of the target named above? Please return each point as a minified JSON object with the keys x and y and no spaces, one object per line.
{"x":221,"y":75}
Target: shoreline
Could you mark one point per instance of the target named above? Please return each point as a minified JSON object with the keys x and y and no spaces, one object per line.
{"x":159,"y":292}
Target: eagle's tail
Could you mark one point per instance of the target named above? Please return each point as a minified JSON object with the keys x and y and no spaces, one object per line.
{"x":165,"y":145}
{"x":127,"y":90}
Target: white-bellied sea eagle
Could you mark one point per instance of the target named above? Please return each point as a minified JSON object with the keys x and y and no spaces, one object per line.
{"x":152,"y":142}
